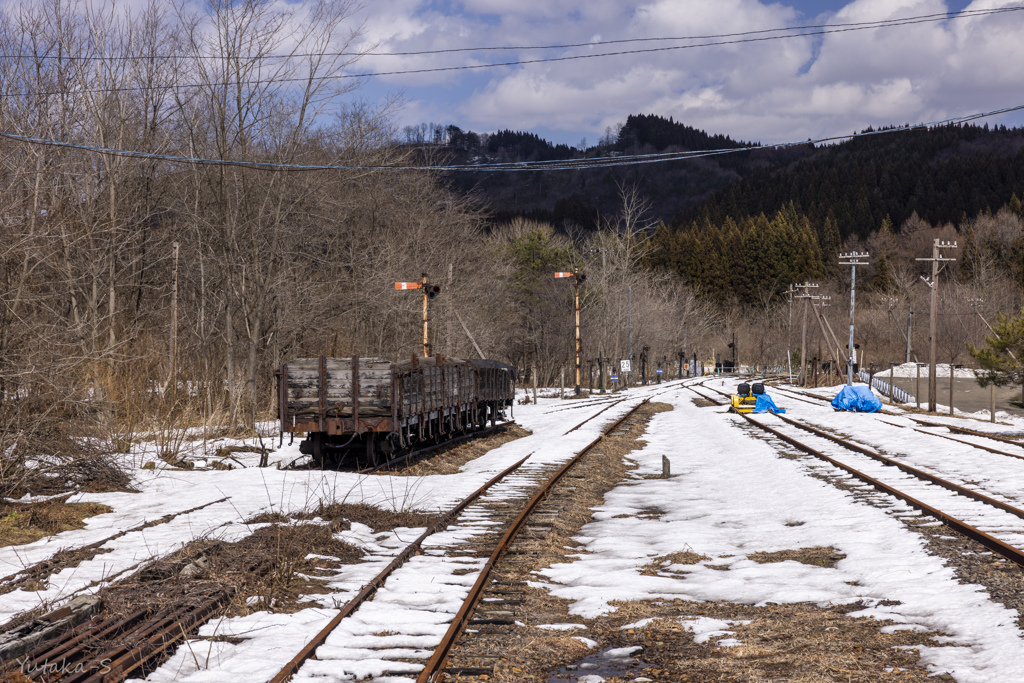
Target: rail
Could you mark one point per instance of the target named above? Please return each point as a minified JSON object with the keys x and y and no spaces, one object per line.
{"x":995,"y":545}
{"x":370,"y":588}
{"x":436,"y":663}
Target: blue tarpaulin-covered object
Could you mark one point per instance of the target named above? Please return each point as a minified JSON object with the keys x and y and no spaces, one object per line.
{"x":857,"y":399}
{"x":765,"y":404}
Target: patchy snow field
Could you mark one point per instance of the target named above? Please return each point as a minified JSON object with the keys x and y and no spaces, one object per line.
{"x":731,"y":494}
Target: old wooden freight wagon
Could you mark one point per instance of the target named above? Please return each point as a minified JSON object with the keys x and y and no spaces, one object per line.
{"x":370,"y":408}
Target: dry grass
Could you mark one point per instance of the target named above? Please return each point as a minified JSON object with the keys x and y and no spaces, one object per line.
{"x":799,"y":643}
{"x":660,"y":563}
{"x":816,"y":557}
{"x":451,"y":460}
{"x":341,"y":515}
{"x":268,"y":570}
{"x":22,"y":523}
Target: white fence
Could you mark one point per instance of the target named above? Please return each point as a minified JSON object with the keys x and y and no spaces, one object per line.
{"x":883,"y":387}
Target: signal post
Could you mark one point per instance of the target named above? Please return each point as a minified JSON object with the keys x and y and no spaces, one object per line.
{"x":578,"y":278}
{"x":429,"y":292}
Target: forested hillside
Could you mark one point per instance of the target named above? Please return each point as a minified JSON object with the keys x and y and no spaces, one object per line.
{"x":942,"y":174}
{"x":742,"y":226}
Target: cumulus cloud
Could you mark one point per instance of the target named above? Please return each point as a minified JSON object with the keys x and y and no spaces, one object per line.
{"x":769,"y":91}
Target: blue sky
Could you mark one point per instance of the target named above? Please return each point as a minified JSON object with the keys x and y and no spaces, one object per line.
{"x":769,"y":91}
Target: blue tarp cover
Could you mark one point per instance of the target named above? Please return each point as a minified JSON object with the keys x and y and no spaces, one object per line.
{"x":858,"y":399}
{"x":765,"y":404}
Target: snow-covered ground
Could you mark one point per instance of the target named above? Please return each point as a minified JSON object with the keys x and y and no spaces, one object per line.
{"x":730,"y":495}
{"x":941,"y":370}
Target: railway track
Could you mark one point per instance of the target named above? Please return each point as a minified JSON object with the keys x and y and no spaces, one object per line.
{"x":995,"y":524}
{"x":799,"y":395}
{"x":95,"y":644}
{"x":413,"y":455}
{"x":43,"y":569}
{"x":364,"y":638}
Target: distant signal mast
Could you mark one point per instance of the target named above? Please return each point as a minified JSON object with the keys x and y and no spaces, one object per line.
{"x":429,"y":292}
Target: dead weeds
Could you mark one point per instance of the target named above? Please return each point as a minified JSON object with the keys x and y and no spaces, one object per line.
{"x":816,"y":557}
{"x":22,"y":523}
{"x":343,"y":514}
{"x":450,"y":461}
{"x":661,"y":563}
{"x":798,"y":643}
{"x":270,"y":570}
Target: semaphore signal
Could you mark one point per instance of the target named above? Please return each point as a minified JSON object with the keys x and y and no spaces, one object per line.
{"x":578,"y":277}
{"x":429,"y":292}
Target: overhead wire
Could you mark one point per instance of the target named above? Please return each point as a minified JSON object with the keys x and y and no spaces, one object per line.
{"x":862,"y":25}
{"x":518,"y":62}
{"x":554,"y":165}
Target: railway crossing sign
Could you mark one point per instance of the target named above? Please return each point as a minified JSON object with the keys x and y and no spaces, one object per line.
{"x":624,"y":366}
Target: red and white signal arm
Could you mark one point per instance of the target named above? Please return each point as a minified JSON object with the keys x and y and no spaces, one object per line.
{"x":408,"y":285}
{"x":563,"y":274}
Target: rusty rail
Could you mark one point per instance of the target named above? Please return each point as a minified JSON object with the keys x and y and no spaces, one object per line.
{"x":430,"y":449}
{"x":6,"y":581}
{"x":440,"y":656}
{"x":965,"y":430}
{"x":135,"y":639}
{"x":990,"y":542}
{"x":994,"y":544}
{"x":596,"y":414}
{"x":913,"y":471}
{"x":370,"y":588}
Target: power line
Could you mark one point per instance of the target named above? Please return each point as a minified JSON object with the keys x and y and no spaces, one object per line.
{"x":559,"y":165}
{"x":519,"y":62}
{"x":864,"y":25}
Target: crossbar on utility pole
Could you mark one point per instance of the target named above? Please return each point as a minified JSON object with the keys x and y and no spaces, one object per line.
{"x":852,"y":259}
{"x":806,"y":296}
{"x":933,"y":324}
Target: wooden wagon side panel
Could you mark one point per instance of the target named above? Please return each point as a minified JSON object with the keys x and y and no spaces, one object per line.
{"x":308,"y":387}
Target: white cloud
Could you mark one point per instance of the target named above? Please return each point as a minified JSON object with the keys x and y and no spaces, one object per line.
{"x":769,"y":91}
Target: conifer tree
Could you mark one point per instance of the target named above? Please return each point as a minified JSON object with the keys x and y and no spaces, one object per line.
{"x":1000,"y":358}
{"x":882,"y":281}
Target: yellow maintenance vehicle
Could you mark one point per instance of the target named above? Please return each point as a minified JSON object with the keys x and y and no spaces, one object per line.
{"x":745,"y":398}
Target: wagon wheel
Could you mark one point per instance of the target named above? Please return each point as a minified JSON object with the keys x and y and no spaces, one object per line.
{"x":317,"y":441}
{"x":371,"y":450}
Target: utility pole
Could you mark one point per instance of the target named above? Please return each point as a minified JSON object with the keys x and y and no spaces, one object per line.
{"x":789,"y":328}
{"x":852,"y":259}
{"x":933,"y":324}
{"x":429,"y":292}
{"x":910,"y":318}
{"x":823,"y":303}
{"x":174,"y":324}
{"x":578,"y":278}
{"x":630,"y":333}
{"x":806,"y":296}
{"x":426,"y":320}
